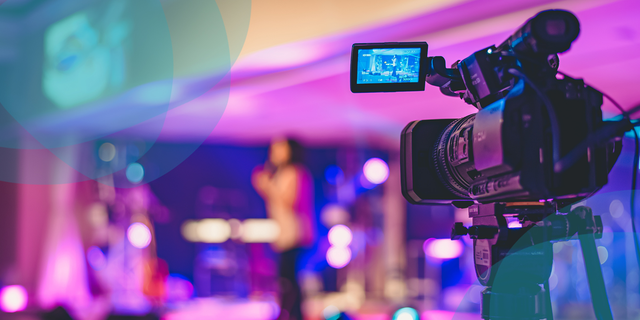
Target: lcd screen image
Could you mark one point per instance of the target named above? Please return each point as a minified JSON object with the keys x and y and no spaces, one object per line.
{"x":394,"y":65}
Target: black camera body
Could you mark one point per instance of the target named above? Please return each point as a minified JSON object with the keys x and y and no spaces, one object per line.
{"x":533,"y":136}
{"x":504,"y":152}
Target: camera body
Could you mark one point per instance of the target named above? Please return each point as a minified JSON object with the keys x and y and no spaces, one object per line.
{"x":504,"y":152}
{"x":528,"y":120}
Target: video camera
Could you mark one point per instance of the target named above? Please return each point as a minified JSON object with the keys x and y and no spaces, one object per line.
{"x":537,"y":135}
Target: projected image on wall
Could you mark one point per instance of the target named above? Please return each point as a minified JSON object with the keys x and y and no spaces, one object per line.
{"x":85,"y":55}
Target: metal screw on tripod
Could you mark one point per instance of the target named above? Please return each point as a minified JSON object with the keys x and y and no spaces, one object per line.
{"x":458,"y":230}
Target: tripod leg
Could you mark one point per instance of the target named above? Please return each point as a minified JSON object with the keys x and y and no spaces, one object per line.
{"x":547,"y":297}
{"x":597,"y":288}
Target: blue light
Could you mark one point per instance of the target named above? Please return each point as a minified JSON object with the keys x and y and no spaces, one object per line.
{"x":489,"y":51}
{"x":135,"y":172}
{"x":334,"y":174}
{"x":406,"y":314}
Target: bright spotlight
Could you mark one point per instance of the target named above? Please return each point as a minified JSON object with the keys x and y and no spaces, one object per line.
{"x":338,"y":257}
{"x":189,"y":230}
{"x":443,"y":248}
{"x":340,"y":235}
{"x":213,"y":230}
{"x":376,"y":170}
{"x":260,"y":231}
{"x":406,"y":314}
{"x":13,"y":298}
{"x":139,"y":235}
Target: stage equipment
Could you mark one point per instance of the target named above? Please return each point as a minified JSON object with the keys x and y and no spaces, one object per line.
{"x":537,"y":144}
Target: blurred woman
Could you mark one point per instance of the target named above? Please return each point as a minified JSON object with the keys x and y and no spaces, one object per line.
{"x":287,"y":189}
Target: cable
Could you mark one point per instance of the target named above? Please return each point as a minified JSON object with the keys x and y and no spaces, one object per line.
{"x":632,"y":210}
{"x":555,"y":129}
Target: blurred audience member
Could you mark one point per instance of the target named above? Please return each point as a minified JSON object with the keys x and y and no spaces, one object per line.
{"x":287,"y":189}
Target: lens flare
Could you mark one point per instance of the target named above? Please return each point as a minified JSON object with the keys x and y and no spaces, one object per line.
{"x":376,"y":170}
{"x":139,"y":235}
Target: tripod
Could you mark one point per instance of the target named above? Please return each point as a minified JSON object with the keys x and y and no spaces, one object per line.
{"x":514,"y":264}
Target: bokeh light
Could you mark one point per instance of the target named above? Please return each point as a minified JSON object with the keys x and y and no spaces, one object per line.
{"x":340,"y":235}
{"x":334,"y":174}
{"x":603,"y":254}
{"x":616,"y":208}
{"x":338,"y":257}
{"x":443,"y":248}
{"x":406,"y":314}
{"x":96,"y":258}
{"x":13,"y":298}
{"x":213,"y":230}
{"x":139,"y":235}
{"x":135,"y":172}
{"x":376,"y":170}
{"x":331,"y":312}
{"x":107,"y":152}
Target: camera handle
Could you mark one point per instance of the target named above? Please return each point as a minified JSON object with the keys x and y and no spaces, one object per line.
{"x":515,"y":263}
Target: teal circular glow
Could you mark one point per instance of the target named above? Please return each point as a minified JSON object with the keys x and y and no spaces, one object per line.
{"x":406,"y":314}
{"x":135,"y":172}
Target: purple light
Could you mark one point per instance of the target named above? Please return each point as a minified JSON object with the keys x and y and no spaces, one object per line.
{"x":338,"y":257}
{"x":376,"y":170}
{"x":443,"y":248}
{"x":13,"y":298}
{"x":340,"y":236}
{"x":96,"y":258}
{"x":139,"y":235}
{"x":514,"y":223}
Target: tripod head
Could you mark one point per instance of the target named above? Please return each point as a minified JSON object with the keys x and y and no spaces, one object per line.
{"x":515,"y":263}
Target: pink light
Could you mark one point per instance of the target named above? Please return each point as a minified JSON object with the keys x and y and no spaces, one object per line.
{"x":443,"y":248}
{"x":13,"y":298}
{"x":139,"y":235}
{"x":338,"y":257}
{"x":376,"y":170}
{"x":340,"y":236}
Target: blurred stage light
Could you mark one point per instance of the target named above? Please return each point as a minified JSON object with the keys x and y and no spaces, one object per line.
{"x":331,"y":312}
{"x":366,"y":183}
{"x":96,"y":258}
{"x":406,"y":314}
{"x":603,"y":254}
{"x":236,"y":228}
{"x":260,"y":231}
{"x":340,"y":236}
{"x":135,"y":172}
{"x":334,"y":174}
{"x":13,"y":298}
{"x":443,"y":248}
{"x":338,"y":257}
{"x":376,"y":170}
{"x":107,"y":152}
{"x":213,"y":230}
{"x":333,"y":214}
{"x":616,"y":208}
{"x":139,"y":235}
{"x":189,"y":231}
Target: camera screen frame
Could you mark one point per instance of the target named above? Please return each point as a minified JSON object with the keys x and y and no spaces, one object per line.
{"x":388,"y":87}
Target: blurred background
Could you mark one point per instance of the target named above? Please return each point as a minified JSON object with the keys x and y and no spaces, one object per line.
{"x":134,"y":135}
